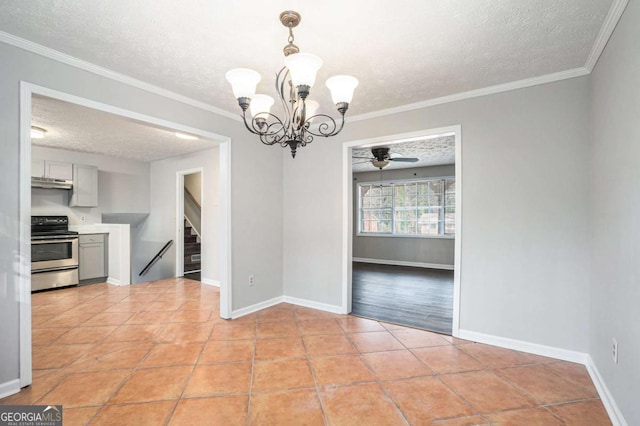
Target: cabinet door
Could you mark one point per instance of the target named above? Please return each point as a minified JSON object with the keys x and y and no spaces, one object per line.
{"x":85,"y":186}
{"x":37,"y":168}
{"x":57,"y":170}
{"x":92,"y":261}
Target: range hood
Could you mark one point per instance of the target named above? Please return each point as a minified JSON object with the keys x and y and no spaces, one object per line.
{"x":50,"y":183}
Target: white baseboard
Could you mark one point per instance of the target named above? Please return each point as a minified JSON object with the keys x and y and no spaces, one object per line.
{"x":403,"y":263}
{"x":207,"y":281}
{"x":9,"y":388}
{"x":615,"y":415}
{"x":113,"y":281}
{"x":520,"y":345}
{"x":255,"y":308}
{"x":314,"y":305}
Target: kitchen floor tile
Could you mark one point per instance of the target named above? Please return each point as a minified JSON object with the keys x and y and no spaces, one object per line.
{"x":359,"y":405}
{"x":543,"y":385}
{"x":412,"y":338}
{"x":425,"y":399}
{"x":281,"y":375}
{"x":395,"y":365}
{"x":144,"y":414}
{"x":295,"y":407}
{"x":221,"y":351}
{"x":73,"y":390}
{"x":171,"y":354}
{"x":528,"y":416}
{"x":447,"y":359}
{"x":282,"y":347}
{"x":340,"y":370}
{"x":222,"y":410}
{"x":486,"y":392}
{"x":375,"y":341}
{"x":318,"y":327}
{"x":590,"y":413}
{"x":352,"y":324}
{"x":219,"y":379}
{"x":153,"y":384}
{"x":328,"y":345}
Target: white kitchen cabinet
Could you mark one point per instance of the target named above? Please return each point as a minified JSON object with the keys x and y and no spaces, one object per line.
{"x":85,"y":186}
{"x":93,"y":258}
{"x":52,"y":169}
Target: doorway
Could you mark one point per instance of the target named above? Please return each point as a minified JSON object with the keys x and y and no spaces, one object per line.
{"x":189,"y":232}
{"x":402,"y":229}
{"x":27,"y":92}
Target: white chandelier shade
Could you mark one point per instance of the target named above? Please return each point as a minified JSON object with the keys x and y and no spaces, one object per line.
{"x":260,"y":106}
{"x":243,"y":82}
{"x":303,"y":68}
{"x":342,"y":87}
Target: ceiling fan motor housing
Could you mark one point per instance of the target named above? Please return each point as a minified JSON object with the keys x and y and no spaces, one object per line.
{"x":381,"y":153}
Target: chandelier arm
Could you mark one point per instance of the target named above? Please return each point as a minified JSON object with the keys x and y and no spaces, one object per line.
{"x":326,"y":128}
{"x":246,"y":124}
{"x":281,"y":79}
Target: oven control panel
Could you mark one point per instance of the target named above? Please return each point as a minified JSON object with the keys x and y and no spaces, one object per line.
{"x":49,"y":220}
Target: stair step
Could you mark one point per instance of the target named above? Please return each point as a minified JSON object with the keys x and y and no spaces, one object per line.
{"x":191,"y":267}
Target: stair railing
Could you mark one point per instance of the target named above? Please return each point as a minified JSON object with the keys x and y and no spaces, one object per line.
{"x":156,"y":258}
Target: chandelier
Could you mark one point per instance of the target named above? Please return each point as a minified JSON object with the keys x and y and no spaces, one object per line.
{"x":293,"y":85}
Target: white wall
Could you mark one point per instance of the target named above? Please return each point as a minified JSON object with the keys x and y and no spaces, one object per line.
{"x":123,"y":187}
{"x":256,"y":183}
{"x":433,"y":251}
{"x":162,"y":223}
{"x":615,"y":204}
{"x":524,"y":269}
{"x":193,"y":183}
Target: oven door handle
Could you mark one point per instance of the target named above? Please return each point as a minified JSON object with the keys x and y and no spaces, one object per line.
{"x":61,"y":268}
{"x":57,"y":240}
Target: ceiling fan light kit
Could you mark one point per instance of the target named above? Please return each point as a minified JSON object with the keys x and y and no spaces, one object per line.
{"x":293,"y":85}
{"x":382,"y":158}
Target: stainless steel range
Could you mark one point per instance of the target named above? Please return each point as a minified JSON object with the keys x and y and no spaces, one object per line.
{"x":54,"y":253}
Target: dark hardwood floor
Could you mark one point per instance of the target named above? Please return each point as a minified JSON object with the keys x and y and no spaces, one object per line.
{"x":195,"y":276}
{"x":416,"y":297}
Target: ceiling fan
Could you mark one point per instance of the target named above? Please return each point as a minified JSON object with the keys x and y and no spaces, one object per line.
{"x":382,"y":158}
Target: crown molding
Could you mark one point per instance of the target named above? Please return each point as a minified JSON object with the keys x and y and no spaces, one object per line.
{"x":610,"y":22}
{"x":520,"y":84}
{"x":47,"y":52}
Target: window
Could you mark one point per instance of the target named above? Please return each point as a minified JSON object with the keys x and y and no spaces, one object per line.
{"x":417,"y":208}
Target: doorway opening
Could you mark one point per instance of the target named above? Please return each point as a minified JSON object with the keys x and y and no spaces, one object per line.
{"x":189,"y":235}
{"x":403,"y":228}
{"x":221,"y":208}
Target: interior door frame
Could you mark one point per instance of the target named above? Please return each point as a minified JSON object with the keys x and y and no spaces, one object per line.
{"x":347,"y":209}
{"x":27,"y":90}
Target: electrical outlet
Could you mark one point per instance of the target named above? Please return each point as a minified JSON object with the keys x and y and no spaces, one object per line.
{"x":614,"y":351}
{"x":252,"y":280}
{"x":82,"y":219}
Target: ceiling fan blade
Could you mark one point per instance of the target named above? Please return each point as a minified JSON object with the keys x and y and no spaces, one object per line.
{"x":404,"y":159}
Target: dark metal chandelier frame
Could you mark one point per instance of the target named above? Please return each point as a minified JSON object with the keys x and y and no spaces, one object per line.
{"x":296,"y":129}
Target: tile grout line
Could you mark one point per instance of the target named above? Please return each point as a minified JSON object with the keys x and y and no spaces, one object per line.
{"x":253,"y":360}
{"x":313,"y":374}
{"x":193,"y":369}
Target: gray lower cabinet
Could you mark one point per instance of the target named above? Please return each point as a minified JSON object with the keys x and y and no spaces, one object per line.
{"x":93,"y":258}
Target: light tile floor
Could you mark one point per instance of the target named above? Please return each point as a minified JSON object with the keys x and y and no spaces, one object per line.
{"x":158,"y":353}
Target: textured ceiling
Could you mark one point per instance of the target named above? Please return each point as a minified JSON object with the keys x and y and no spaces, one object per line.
{"x":432,"y":151}
{"x":77,"y":128}
{"x":402,"y":52}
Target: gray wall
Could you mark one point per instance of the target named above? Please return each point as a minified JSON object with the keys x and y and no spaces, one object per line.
{"x":256,"y":180}
{"x":524,"y":271}
{"x":437,"y":251}
{"x":123,"y":187}
{"x":615,"y":213}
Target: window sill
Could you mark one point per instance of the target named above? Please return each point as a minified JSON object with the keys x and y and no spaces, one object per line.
{"x":437,"y":237}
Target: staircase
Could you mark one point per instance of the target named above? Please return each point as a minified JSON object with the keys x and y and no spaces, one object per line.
{"x":191,"y":252}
